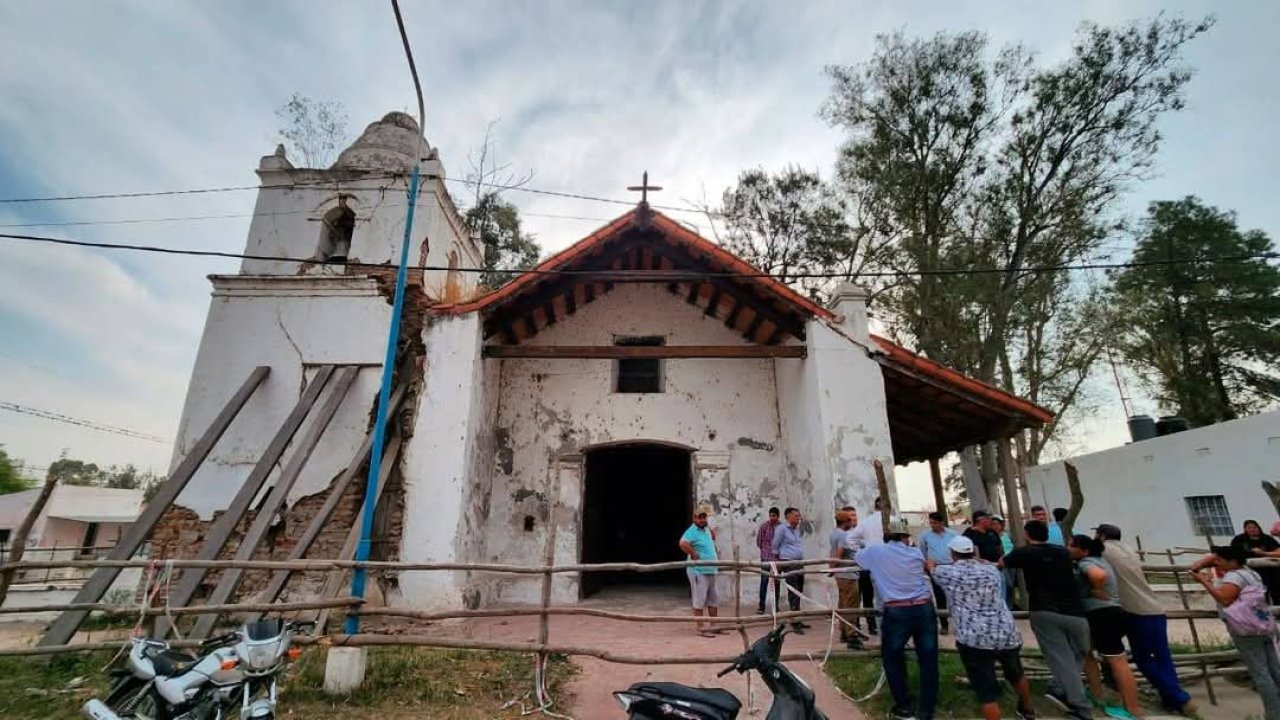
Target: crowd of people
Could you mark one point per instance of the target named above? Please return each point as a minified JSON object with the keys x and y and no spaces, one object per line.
{"x":1086,"y":596}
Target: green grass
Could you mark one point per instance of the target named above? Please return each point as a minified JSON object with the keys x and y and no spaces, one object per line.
{"x":32,"y":688}
{"x":424,"y":682}
{"x":857,"y":677}
{"x":401,"y":683}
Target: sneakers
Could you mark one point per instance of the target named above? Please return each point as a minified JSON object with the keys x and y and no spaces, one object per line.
{"x":759,"y":611}
{"x":1115,"y":711}
{"x":1059,"y":699}
{"x":896,"y":714}
{"x":798,"y":629}
{"x":1021,"y":713}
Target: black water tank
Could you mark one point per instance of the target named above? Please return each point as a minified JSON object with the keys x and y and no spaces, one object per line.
{"x":1142,"y":427}
{"x":1169,"y":425}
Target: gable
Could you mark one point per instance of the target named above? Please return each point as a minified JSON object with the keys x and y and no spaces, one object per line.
{"x":645,"y":247}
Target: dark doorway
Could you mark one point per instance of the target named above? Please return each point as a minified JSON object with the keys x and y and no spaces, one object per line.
{"x":637,"y":503}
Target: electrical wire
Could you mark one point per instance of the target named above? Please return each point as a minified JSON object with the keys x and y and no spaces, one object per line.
{"x":666,"y":276}
{"x":184,"y":218}
{"x":59,"y":417}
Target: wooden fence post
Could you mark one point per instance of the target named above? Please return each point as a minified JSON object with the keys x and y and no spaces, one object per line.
{"x":19,"y":546}
{"x":939,"y":497}
{"x":886,"y":505}
{"x":1195,"y":635}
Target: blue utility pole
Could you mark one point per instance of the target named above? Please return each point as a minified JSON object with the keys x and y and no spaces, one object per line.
{"x":359,"y":574}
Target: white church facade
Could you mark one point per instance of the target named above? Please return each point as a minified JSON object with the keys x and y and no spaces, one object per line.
{"x":578,"y":413}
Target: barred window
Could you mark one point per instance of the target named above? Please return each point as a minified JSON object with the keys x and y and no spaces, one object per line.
{"x":639,"y":375}
{"x":1209,"y":515}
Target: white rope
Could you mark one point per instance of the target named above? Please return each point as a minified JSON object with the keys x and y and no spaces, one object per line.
{"x":168,"y":581}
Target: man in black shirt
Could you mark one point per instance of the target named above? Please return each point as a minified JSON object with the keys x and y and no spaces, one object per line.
{"x":984,"y":538}
{"x":1057,"y":615}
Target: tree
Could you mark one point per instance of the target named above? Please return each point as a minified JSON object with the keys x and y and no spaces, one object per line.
{"x":68,"y":471}
{"x":983,"y":168}
{"x":313,"y":129}
{"x":11,"y":479}
{"x":790,"y":224}
{"x":1200,"y":313}
{"x":507,"y":246}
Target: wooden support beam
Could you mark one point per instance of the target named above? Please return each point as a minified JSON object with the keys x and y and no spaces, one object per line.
{"x":886,"y":504}
{"x":614,"y":352}
{"x":714,"y":303}
{"x":939,"y":498}
{"x":19,"y":546}
{"x":222,"y":528}
{"x":339,"y":487}
{"x":333,"y":581}
{"x":731,"y":321}
{"x":64,"y":628}
{"x":692,"y":297}
{"x":266,"y":514}
{"x":1012,"y":501}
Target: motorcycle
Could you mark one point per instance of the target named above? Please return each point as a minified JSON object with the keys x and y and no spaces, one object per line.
{"x":793,"y":699}
{"x":238,"y":668}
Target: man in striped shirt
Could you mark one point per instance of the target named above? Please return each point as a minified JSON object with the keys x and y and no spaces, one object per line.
{"x":764,"y":541}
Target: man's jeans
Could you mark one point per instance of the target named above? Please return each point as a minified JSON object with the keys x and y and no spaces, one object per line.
{"x":1149,"y":641}
{"x":919,"y":623}
{"x":1064,"y":640}
{"x":764,"y":591}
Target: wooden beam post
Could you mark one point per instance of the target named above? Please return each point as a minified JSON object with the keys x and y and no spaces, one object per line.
{"x":1012,"y":501}
{"x":333,"y":581}
{"x":886,"y":505}
{"x":279,"y":493}
{"x":64,"y":628}
{"x":222,"y":528}
{"x":336,"y":490}
{"x":1077,"y":500}
{"x":939,"y":498}
{"x":578,"y":352}
{"x":19,"y":546}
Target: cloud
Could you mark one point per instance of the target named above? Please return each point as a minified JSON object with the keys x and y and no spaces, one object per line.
{"x":141,"y":95}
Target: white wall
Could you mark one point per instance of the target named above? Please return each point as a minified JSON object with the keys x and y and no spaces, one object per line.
{"x":445,"y":469}
{"x":1141,"y":486}
{"x":724,"y":410}
{"x":287,"y":223}
{"x":287,"y":323}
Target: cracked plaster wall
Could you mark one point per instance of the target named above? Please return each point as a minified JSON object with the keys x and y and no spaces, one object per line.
{"x":552,"y":410}
{"x":447,"y":466}
{"x":291,"y":324}
{"x":287,"y":223}
{"x":835,"y":425}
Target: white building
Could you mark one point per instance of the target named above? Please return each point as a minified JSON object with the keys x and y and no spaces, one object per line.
{"x":1172,"y":490}
{"x":586,"y":406}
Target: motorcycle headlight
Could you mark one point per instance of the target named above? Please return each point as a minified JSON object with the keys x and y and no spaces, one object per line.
{"x":262,"y":655}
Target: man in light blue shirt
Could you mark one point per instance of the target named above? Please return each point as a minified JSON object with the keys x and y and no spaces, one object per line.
{"x":898,"y":571}
{"x":1055,"y":530}
{"x":699,"y":543}
{"x":789,"y":547}
{"x":936,"y":543}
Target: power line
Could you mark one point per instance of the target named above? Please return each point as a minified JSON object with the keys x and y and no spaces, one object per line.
{"x":59,"y":417}
{"x":183,"y":218}
{"x":347,"y":181}
{"x":670,"y":276}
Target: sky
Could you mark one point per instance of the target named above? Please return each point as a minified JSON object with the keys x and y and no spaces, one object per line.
{"x":147,"y":95}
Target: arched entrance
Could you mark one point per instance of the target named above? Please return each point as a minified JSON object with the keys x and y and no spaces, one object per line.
{"x":637,"y":501}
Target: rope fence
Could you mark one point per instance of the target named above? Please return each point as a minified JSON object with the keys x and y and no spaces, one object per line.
{"x":1195,"y":665}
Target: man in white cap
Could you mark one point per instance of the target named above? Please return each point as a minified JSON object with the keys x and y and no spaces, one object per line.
{"x":986,"y":635}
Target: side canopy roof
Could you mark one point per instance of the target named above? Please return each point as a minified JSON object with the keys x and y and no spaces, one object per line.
{"x":932,"y":409}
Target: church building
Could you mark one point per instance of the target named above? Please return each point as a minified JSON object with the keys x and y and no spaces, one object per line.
{"x":577,"y":414}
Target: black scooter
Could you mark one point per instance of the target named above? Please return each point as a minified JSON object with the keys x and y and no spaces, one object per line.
{"x":793,"y":699}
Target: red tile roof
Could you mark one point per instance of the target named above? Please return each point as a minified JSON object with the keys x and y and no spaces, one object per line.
{"x":730,"y":263}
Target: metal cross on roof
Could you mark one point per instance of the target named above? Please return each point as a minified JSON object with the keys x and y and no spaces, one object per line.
{"x":643,"y":188}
